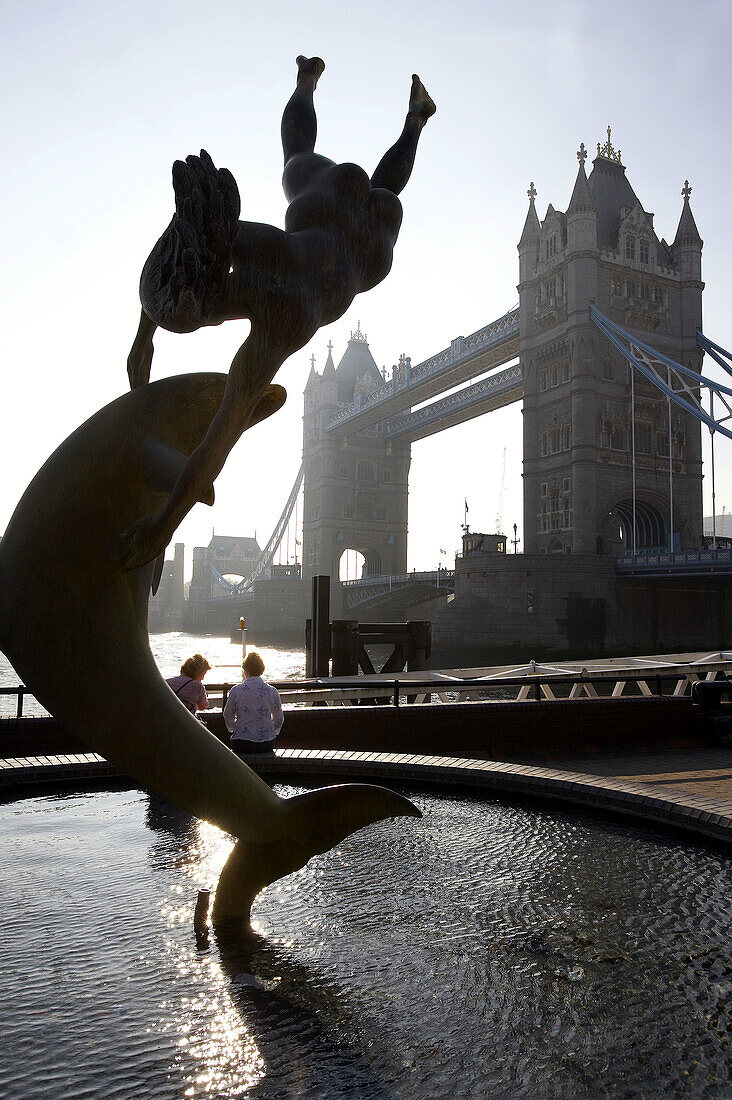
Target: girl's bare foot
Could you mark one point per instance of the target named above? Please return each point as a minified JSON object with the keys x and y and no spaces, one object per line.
{"x":421,"y":105}
{"x":311,"y":67}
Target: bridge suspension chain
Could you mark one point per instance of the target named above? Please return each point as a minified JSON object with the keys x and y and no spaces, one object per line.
{"x":265,"y":558}
{"x":680,"y":384}
{"x":715,"y":351}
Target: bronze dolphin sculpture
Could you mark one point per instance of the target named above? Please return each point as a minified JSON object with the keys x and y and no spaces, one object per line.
{"x":73,"y":622}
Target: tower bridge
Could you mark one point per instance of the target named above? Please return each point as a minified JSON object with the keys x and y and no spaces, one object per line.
{"x":607,"y":467}
{"x":605,"y":352}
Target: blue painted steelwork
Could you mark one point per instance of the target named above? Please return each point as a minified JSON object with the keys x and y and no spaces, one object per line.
{"x":689,"y":563}
{"x":714,"y":350}
{"x":646,"y":360}
{"x":220,"y":579}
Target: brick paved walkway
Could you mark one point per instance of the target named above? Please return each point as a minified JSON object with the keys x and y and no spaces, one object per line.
{"x":686,"y":789}
{"x":698,"y":771}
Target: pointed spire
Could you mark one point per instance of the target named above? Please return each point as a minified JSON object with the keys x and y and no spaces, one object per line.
{"x":313,"y":374}
{"x":687,"y":232}
{"x":532,"y":229}
{"x":329,"y":369}
{"x":581,"y":196}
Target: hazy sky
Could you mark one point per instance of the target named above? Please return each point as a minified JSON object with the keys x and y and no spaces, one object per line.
{"x":100,"y":99}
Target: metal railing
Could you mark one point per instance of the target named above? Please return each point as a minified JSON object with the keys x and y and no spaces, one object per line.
{"x":535,"y":687}
{"x":506,"y":381}
{"x":21,"y":691}
{"x":658,"y":560}
{"x":443,"y":688}
{"x":399,"y":579}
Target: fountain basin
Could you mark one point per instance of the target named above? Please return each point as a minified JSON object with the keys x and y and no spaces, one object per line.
{"x":485,"y":950}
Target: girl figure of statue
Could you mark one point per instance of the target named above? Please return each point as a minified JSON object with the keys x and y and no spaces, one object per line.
{"x":209,"y":267}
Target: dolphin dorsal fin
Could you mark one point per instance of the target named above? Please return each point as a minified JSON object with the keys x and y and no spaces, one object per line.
{"x":157,"y":572}
{"x":163,"y":466}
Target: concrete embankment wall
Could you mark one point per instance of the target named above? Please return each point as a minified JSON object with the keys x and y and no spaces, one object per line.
{"x":512,"y":607}
{"x":547,"y":606}
{"x":494,"y":731}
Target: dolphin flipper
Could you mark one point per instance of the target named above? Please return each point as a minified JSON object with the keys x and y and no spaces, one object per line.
{"x":163,"y":466}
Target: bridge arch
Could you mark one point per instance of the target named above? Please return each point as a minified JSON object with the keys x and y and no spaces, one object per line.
{"x":651,"y":527}
{"x":368,"y":562}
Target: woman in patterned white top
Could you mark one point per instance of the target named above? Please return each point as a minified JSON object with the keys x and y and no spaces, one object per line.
{"x":253,"y":711}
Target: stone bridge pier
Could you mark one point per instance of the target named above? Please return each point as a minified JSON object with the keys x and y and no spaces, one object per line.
{"x":356,"y":486}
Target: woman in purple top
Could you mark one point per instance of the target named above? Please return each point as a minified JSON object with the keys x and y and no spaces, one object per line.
{"x":253,"y":711}
{"x":189,"y":685}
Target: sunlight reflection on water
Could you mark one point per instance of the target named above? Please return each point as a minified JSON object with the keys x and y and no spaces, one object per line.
{"x":169,"y":651}
{"x":419,"y":959}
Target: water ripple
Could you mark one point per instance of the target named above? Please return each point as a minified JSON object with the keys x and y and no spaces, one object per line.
{"x":486,"y":951}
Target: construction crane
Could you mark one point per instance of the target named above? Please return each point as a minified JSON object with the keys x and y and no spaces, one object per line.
{"x":499,"y":517}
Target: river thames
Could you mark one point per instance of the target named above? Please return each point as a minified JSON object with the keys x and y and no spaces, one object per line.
{"x":170,"y":650}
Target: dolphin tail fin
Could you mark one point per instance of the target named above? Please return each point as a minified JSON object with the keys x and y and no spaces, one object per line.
{"x":318,"y":820}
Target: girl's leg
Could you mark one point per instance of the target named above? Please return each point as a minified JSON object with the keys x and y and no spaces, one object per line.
{"x":300,"y":128}
{"x":395,"y":167}
{"x":299,"y":123}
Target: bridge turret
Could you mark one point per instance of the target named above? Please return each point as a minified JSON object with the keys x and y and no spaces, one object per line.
{"x":329,"y":381}
{"x":590,"y":446}
{"x":581,"y":212}
{"x":687,"y":246}
{"x":312,"y":377}
{"x":312,"y":388}
{"x":356,"y":363}
{"x":528,"y":246}
{"x":687,"y":253}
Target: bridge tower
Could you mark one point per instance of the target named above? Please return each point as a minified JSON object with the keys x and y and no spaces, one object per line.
{"x":356,"y":487}
{"x":581,"y":414}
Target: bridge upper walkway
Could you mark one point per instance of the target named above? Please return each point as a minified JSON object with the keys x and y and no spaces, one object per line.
{"x":485,"y":396}
{"x":467,"y":356}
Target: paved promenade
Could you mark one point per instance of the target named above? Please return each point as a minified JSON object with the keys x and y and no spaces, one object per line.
{"x":688,"y":789}
{"x":706,"y":772}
